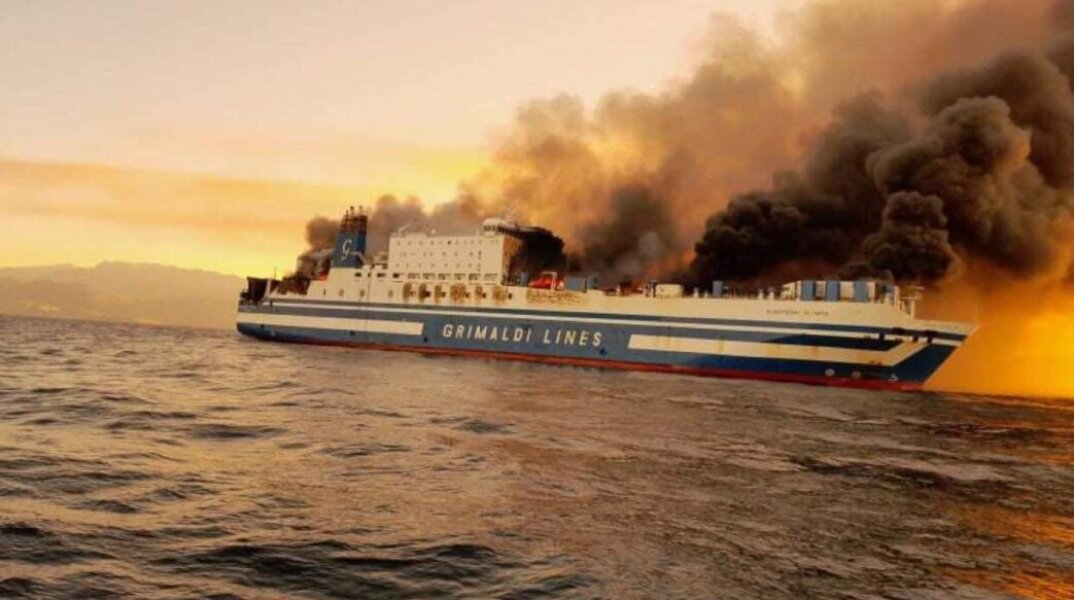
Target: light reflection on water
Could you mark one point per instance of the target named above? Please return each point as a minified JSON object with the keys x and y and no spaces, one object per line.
{"x":156,"y":463}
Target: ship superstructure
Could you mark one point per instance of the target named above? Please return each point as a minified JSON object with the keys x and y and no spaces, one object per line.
{"x":476,"y":294}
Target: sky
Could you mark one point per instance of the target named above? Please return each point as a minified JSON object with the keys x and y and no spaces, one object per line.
{"x":150,"y":131}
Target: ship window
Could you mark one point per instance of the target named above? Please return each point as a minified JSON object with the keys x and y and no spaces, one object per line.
{"x":391,"y":293}
{"x":380,"y":275}
{"x":396,"y":275}
{"x":324,"y":292}
{"x":340,"y":293}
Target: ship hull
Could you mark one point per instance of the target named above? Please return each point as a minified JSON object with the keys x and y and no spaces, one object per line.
{"x":867,"y":357}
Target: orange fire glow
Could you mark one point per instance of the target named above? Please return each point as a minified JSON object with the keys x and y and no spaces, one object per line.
{"x":1025,"y":345}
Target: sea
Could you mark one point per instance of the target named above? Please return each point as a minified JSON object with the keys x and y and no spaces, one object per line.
{"x":153,"y":462}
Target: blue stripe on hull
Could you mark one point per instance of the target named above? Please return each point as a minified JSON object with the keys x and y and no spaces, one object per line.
{"x":864,"y":342}
{"x":322,"y":305}
{"x":547,"y":340}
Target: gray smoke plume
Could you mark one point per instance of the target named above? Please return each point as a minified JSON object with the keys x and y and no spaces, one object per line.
{"x":637,"y":233}
{"x":462,"y":214}
{"x":389,"y":215}
{"x":320,"y":237}
{"x":1062,"y":15}
{"x":321,"y":233}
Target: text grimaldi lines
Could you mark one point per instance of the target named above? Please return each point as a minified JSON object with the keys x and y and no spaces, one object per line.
{"x":523,"y":334}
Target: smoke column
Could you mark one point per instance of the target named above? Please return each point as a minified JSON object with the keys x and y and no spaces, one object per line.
{"x":462,"y":214}
{"x":320,"y":238}
{"x":926,"y":141}
{"x":751,"y":106}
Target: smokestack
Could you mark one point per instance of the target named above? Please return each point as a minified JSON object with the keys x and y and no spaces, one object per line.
{"x":349,"y":250}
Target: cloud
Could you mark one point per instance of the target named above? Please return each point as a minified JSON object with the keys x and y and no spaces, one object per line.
{"x":146,"y":198}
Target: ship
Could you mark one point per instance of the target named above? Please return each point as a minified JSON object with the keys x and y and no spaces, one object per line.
{"x":469,"y":294}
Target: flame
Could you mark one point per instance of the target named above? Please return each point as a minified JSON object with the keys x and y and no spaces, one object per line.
{"x":1025,"y":345}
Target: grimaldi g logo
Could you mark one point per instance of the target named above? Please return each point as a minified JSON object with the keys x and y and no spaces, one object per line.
{"x":523,"y":334}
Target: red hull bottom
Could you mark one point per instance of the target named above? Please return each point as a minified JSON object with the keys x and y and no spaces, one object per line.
{"x":842,"y":382}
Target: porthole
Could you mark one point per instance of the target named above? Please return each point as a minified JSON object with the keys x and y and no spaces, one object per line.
{"x":829,"y":372}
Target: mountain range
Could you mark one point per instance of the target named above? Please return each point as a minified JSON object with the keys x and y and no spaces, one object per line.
{"x":120,"y":291}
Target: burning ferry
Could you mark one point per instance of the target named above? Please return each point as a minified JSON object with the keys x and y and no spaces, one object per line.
{"x":483,"y":294}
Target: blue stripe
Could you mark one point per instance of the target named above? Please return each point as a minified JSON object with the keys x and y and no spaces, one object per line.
{"x":522,"y":313}
{"x":820,"y":340}
{"x":614,"y":347}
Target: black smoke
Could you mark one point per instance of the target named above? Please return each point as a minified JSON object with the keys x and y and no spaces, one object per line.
{"x":986,"y":174}
{"x":974,"y":158}
{"x":636,"y":232}
{"x":819,"y":216}
{"x":541,"y":250}
{"x":1037,"y":96}
{"x":912,"y":241}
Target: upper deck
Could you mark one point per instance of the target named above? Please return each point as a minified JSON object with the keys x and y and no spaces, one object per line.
{"x":472,"y":257}
{"x":479,"y":270}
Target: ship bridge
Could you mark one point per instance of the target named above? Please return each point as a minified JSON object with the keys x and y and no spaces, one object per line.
{"x":483,"y":256}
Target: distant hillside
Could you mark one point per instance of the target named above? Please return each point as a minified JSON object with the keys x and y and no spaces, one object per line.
{"x":115,"y":291}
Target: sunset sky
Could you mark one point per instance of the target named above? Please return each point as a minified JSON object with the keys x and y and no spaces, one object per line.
{"x":203,"y":134}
